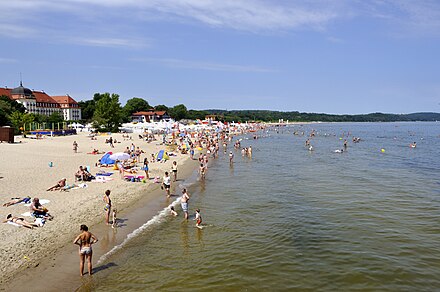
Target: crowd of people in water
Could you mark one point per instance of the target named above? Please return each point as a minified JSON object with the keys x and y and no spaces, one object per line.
{"x":208,"y":144}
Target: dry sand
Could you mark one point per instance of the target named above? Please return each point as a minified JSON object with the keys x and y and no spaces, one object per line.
{"x":25,"y":171}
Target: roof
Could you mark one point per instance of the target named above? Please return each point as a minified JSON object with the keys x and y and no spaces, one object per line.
{"x":43,"y":97}
{"x":5,"y":91}
{"x":21,"y":91}
{"x":150,"y":113}
{"x":64,"y":99}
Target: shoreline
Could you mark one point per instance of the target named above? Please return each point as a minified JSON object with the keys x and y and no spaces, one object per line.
{"x":48,"y":250}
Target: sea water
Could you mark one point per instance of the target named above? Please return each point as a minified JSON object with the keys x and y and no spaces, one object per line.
{"x":293,"y":219}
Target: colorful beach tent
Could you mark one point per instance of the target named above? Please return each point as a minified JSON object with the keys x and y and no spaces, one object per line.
{"x":106,"y":159}
{"x":162,"y":155}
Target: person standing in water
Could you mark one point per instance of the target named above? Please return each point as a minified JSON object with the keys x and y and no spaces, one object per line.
{"x":167,"y":184}
{"x":231,"y":157}
{"x":108,"y":206}
{"x":85,"y":241}
{"x":198,"y":219}
{"x":184,"y":202}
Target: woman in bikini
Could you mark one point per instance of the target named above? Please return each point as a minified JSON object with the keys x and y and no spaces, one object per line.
{"x":108,"y":206}
{"x":19,"y":221}
{"x":85,"y":241}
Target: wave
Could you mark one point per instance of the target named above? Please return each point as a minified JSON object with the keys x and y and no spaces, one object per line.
{"x":156,"y":220}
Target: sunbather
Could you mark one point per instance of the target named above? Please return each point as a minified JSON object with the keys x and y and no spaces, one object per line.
{"x":80,"y":174}
{"x":14,"y":201}
{"x":59,"y":186}
{"x":19,"y":221}
{"x":38,"y":211}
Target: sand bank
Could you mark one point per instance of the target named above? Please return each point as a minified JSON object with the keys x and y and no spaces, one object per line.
{"x":26,"y":171}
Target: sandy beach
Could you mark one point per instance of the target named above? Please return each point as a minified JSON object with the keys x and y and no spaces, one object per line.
{"x":26,"y":171}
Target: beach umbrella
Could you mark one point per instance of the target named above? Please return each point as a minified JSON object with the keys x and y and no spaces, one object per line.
{"x":120,"y":156}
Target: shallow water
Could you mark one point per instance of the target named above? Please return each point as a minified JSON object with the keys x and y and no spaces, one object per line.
{"x":293,"y":219}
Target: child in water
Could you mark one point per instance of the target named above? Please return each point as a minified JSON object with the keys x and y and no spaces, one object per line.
{"x":173,"y":211}
{"x":198,"y":219}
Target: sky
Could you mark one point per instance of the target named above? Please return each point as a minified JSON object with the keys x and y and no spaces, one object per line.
{"x":337,"y":57}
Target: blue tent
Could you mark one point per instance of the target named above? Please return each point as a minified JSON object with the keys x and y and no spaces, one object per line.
{"x":106,"y":159}
{"x":162,"y":155}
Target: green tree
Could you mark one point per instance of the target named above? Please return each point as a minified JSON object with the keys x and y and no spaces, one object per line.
{"x":178,"y":112}
{"x":55,"y":118}
{"x":16,"y":119}
{"x":7,"y":107}
{"x":87,"y":109}
{"x":107,"y":112}
{"x":161,"y":107}
{"x":133,"y":105}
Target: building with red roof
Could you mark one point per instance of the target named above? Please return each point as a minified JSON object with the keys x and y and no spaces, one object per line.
{"x":150,"y":116}
{"x":39,"y":102}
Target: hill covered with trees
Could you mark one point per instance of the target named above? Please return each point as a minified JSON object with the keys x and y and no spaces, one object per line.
{"x":106,"y":112}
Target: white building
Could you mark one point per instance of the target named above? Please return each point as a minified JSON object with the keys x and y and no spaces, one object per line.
{"x":39,"y":102}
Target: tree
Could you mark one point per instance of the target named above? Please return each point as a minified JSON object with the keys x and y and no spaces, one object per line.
{"x":161,"y":107}
{"x":7,"y":107}
{"x":178,"y":112}
{"x":55,"y":118}
{"x":133,"y":105}
{"x":107,"y":112}
{"x":87,"y":109}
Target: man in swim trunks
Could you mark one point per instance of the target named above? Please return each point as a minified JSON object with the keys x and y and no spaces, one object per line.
{"x":38,"y":211}
{"x":184,"y":202}
{"x":85,"y":241}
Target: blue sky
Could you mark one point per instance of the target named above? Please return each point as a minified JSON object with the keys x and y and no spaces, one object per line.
{"x":313,"y":56}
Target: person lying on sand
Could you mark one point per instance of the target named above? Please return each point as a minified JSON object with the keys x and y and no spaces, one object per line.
{"x":19,"y":221}
{"x":14,"y":201}
{"x":59,"y":186}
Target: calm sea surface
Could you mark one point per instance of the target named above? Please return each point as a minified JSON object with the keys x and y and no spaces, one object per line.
{"x":291,"y":219}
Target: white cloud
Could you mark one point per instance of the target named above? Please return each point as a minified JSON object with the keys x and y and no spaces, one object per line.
{"x":176,"y":63}
{"x":109,"y":42}
{"x":421,"y":16}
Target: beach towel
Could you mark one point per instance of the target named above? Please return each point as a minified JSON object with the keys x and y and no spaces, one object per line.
{"x":102,"y":179}
{"x":40,"y":221}
{"x":80,"y":186}
{"x":104,"y":173}
{"x":27,"y":214}
{"x":13,"y":223}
